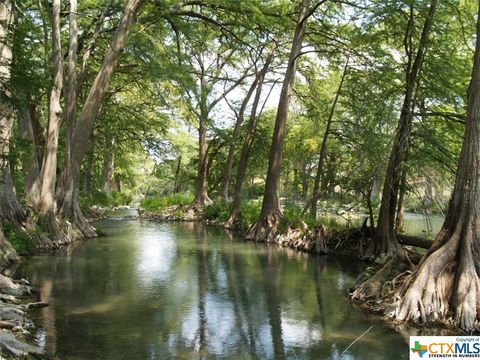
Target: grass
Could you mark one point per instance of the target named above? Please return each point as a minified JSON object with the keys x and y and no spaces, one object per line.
{"x":154,"y":203}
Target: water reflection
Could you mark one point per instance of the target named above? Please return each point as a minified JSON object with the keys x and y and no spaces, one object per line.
{"x":186,"y":291}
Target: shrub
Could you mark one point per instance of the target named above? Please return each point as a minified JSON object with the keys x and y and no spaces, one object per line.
{"x":153,"y":203}
{"x":103,"y":199}
{"x":20,"y":240}
{"x":292,"y":217}
{"x":249,"y":212}
{"x":217,"y":211}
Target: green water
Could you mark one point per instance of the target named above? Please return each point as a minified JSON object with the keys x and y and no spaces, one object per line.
{"x":187,"y":291}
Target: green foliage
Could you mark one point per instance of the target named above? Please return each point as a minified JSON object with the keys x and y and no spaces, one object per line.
{"x":217,"y":211}
{"x":154,"y":203}
{"x":249,"y":212}
{"x":20,"y":240}
{"x":103,"y":199}
{"x":292,"y":217}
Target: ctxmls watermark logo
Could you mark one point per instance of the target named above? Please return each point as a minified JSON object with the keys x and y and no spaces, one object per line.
{"x":445,"y":347}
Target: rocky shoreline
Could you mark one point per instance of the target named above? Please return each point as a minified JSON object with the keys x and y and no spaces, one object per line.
{"x":18,"y":298}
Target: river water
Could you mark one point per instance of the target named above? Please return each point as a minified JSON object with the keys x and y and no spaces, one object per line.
{"x":186,"y":291}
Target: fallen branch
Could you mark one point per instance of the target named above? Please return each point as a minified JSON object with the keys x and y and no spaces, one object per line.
{"x":414,"y":241}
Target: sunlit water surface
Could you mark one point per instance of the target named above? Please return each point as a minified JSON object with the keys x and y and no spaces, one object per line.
{"x":187,"y":291}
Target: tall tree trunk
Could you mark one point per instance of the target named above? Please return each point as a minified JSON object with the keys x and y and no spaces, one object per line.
{"x":201,"y":193}
{"x":305,"y":176}
{"x":71,"y":96}
{"x":295,"y":180}
{"x":67,"y":193}
{"x":176,"y":184}
{"x":9,"y":206}
{"x":266,"y":225}
{"x":400,"y":219}
{"x":227,"y":172}
{"x":49,"y":166}
{"x":87,"y":183}
{"x":446,"y":283}
{"x":312,"y":204}
{"x":384,"y":241}
{"x":108,"y":173}
{"x":30,"y":164}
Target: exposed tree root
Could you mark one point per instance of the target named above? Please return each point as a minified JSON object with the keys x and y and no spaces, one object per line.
{"x":50,"y":225}
{"x":372,"y":287}
{"x":87,"y":230}
{"x":444,"y":288}
{"x":265,"y":229}
{"x":233,"y":221}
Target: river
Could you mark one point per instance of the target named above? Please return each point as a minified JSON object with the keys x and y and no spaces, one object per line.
{"x":187,"y":291}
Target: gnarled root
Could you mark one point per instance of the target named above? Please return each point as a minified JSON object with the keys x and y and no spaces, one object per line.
{"x":232,"y":222}
{"x":371,"y":288}
{"x":51,"y":226}
{"x":87,"y":230}
{"x":265,"y":229}
{"x":446,"y":285}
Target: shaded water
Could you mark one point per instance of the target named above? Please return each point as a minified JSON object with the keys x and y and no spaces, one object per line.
{"x":186,"y":291}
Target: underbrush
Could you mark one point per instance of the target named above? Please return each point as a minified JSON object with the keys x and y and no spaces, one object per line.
{"x":153,"y":203}
{"x":220,"y":211}
{"x":20,"y":240}
{"x":293,"y":218}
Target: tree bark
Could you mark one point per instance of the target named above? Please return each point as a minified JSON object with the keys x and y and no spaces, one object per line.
{"x":9,"y":206}
{"x":30,"y":164}
{"x":48,"y":173}
{"x":71,"y":95}
{"x":87,"y":183}
{"x":266,"y":225}
{"x":176,"y":184}
{"x":446,"y":283}
{"x":201,"y":193}
{"x":312,"y":204}
{"x":108,"y":173}
{"x":384,"y":241}
{"x":400,"y":219}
